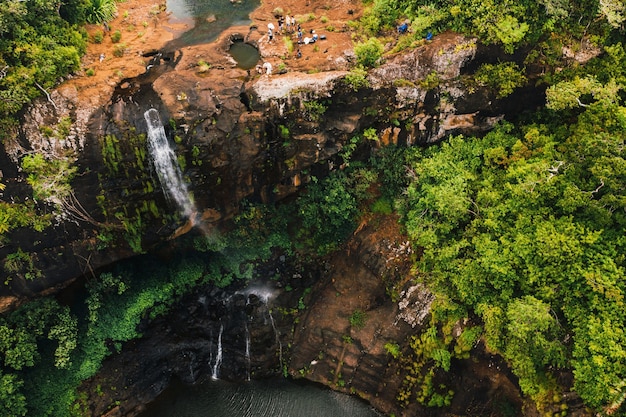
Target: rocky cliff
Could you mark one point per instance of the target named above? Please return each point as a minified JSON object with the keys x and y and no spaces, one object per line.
{"x":237,"y":136}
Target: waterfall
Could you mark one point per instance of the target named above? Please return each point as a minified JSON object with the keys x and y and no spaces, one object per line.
{"x":166,"y":164}
{"x":218,"y":357}
{"x":277,"y":336}
{"x":247,"y":353}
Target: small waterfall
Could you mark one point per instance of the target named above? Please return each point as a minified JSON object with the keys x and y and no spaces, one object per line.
{"x":277,"y":336}
{"x":247,"y":353}
{"x":166,"y":164}
{"x":218,"y":357}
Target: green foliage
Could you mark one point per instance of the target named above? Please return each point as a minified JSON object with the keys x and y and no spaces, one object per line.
{"x":568,"y":94}
{"x":357,"y":319}
{"x":12,"y":400}
{"x":503,"y":77}
{"x":523,"y":227}
{"x":314,"y":110}
{"x":37,"y":48}
{"x":368,"y":53}
{"x":116,"y":36}
{"x":21,"y":263}
{"x":431,"y":81}
{"x":97,"y":37}
{"x":49,"y":178}
{"x":393,"y":349}
{"x":283,"y":131}
{"x":15,"y":215}
{"x":101,"y":11}
{"x":327,"y":210}
{"x":382,"y":206}
{"x":356,"y":79}
{"x":119,"y":50}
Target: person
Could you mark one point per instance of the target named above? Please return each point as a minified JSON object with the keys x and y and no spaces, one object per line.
{"x":429,"y":36}
{"x":270,"y":35}
{"x":315,"y":37}
{"x":101,"y":57}
{"x":280,"y":24}
{"x":293,"y":22}
{"x":299,"y":36}
{"x":288,"y":23}
{"x":299,"y":53}
{"x":403,"y":28}
{"x":268,"y":68}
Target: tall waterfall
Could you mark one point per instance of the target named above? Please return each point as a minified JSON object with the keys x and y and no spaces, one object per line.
{"x":218,"y":357}
{"x":166,"y":164}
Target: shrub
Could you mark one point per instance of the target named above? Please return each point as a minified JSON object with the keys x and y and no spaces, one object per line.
{"x":97,"y":37}
{"x":368,"y":53}
{"x":283,"y":131}
{"x":314,"y":110}
{"x":393,"y":349}
{"x":101,"y":11}
{"x":90,"y":72}
{"x":431,"y":81}
{"x":358,"y":319}
{"x":116,"y":36}
{"x":356,"y":79}
{"x":119,"y":50}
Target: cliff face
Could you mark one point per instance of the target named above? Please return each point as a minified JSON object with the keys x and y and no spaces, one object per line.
{"x":328,"y":322}
{"x":236,"y":135}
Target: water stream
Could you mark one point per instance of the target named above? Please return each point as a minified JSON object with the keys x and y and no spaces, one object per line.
{"x":166,"y":165}
{"x":219,"y":356}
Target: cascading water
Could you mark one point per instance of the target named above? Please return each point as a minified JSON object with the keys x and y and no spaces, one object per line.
{"x":248,"y":362}
{"x":277,"y":336}
{"x":218,"y":356}
{"x":166,"y":164}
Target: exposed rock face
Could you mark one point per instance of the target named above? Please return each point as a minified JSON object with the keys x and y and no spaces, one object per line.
{"x":238,"y":135}
{"x":312,"y":334}
{"x":333,"y":347}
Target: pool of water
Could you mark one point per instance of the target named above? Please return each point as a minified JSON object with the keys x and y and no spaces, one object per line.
{"x":245,"y":54}
{"x":208,"y":18}
{"x":268,"y":398}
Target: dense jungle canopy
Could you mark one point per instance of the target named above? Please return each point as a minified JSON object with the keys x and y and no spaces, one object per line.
{"x":521,"y":230}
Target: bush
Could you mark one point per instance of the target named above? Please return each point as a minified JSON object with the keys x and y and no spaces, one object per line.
{"x":101,"y":11}
{"x":356,"y":79}
{"x":119,"y":50}
{"x":97,"y":37}
{"x":116,"y":36}
{"x":358,"y":319}
{"x":368,"y":53}
{"x":90,"y":72}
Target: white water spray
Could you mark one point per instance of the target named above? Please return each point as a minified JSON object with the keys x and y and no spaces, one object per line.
{"x":166,"y":164}
{"x":247,"y":353}
{"x":218,"y":357}
{"x":277,"y":336}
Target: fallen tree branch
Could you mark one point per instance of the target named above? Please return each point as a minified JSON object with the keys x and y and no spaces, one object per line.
{"x":47,"y":95}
